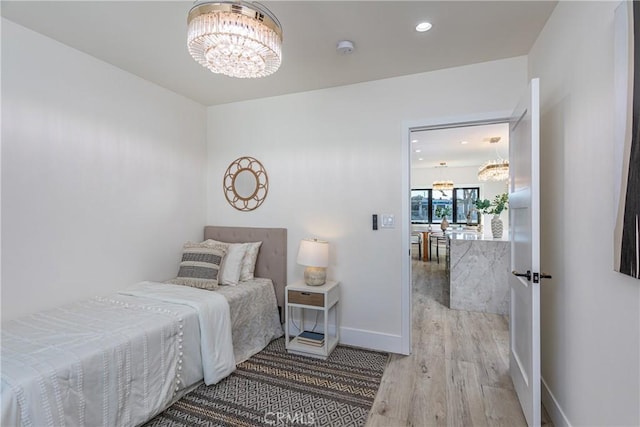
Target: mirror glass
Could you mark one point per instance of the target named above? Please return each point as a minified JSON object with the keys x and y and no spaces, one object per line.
{"x":245,"y":183}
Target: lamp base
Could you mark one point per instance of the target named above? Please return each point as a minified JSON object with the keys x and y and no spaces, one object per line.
{"x":315,"y":276}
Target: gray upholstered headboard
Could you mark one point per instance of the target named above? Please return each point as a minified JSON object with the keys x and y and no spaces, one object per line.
{"x":272,"y":258}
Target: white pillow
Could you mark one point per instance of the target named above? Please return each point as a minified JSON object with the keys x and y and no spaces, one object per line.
{"x":232,"y":262}
{"x":249,"y":261}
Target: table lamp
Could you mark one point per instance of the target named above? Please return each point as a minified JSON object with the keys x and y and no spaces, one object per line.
{"x":314,"y":254}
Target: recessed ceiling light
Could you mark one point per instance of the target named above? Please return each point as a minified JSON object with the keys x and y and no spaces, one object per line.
{"x":414,"y":140}
{"x":420,"y":158}
{"x":418,"y":150}
{"x":464,"y":142}
{"x":423,"y":26}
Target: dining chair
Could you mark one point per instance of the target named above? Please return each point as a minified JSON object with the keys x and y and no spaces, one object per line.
{"x":416,"y":239}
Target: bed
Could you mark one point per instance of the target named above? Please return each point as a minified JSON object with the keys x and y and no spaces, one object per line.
{"x":122,"y":358}
{"x":271,"y":274}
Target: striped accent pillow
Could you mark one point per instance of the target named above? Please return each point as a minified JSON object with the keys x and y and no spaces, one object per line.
{"x":200,"y":266}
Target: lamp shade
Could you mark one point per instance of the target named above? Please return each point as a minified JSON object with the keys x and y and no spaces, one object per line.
{"x":313,"y":253}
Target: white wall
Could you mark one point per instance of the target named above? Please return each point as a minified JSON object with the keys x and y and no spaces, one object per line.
{"x":590,"y":314}
{"x":102,"y":175}
{"x":464,"y":177}
{"x":334,"y":158}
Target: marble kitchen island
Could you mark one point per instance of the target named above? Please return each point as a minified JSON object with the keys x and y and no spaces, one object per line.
{"x":478,"y":276}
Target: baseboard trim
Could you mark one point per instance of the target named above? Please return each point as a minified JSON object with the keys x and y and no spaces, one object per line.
{"x":371,"y":340}
{"x":558,"y":417}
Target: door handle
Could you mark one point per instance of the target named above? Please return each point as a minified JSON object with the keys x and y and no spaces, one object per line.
{"x":527,"y":274}
{"x":538,"y":276}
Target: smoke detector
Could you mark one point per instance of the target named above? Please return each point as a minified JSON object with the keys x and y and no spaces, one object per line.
{"x":345,"y":47}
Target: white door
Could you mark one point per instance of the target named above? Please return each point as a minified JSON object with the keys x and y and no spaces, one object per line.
{"x":524,"y":220}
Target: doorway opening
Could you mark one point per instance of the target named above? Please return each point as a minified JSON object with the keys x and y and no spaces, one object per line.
{"x":452,"y":167}
{"x":426,"y":153}
{"x":465,"y":350}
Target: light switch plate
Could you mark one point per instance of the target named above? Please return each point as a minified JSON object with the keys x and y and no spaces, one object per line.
{"x":388,"y":221}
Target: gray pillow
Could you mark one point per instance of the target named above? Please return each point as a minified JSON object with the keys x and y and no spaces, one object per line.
{"x":200,"y":266}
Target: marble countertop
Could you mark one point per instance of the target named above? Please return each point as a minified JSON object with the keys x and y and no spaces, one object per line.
{"x":462,"y":234}
{"x":471,"y":235}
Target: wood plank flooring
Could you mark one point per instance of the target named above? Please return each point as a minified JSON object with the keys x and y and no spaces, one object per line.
{"x":458,"y":372}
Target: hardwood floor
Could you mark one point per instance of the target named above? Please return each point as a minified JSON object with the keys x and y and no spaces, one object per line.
{"x":458,"y":372}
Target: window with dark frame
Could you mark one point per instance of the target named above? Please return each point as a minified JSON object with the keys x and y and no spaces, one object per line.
{"x":461,"y":201}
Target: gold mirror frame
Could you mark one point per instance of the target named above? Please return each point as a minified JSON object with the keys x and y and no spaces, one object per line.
{"x":239,"y":198}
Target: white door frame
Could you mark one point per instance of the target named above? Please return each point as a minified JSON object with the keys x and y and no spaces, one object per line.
{"x":405,"y":182}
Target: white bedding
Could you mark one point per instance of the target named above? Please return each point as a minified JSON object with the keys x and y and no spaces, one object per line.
{"x":115,"y":360}
{"x":255,"y":321}
{"x":216,"y":345}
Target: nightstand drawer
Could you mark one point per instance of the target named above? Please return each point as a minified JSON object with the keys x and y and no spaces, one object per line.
{"x":306,"y":298}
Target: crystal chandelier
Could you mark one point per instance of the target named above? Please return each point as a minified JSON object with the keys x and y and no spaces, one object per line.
{"x":494,"y":170}
{"x":442,"y":184}
{"x":235,"y":38}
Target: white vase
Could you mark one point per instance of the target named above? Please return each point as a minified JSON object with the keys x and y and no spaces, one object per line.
{"x":496,"y":227}
{"x":444,"y":224}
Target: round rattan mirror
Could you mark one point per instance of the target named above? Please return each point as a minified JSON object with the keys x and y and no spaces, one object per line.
{"x":245,"y":184}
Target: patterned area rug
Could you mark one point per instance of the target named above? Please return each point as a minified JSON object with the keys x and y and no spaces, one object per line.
{"x":275,"y":388}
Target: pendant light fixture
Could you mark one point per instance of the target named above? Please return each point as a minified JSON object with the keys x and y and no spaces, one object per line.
{"x":442,"y":184}
{"x":494,"y":170}
{"x":235,"y":38}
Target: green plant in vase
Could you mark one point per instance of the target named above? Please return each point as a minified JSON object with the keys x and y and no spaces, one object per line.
{"x":495,"y":207}
{"x":443,"y":212}
{"x":483,"y":205}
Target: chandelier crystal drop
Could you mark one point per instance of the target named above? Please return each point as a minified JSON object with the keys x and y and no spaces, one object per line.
{"x":495,"y":170}
{"x":235,"y":38}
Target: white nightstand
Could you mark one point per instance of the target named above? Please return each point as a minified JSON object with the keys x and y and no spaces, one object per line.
{"x":299,"y":298}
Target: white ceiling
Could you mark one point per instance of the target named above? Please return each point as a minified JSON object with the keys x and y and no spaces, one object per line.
{"x":445,"y":145}
{"x":148,"y":39}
